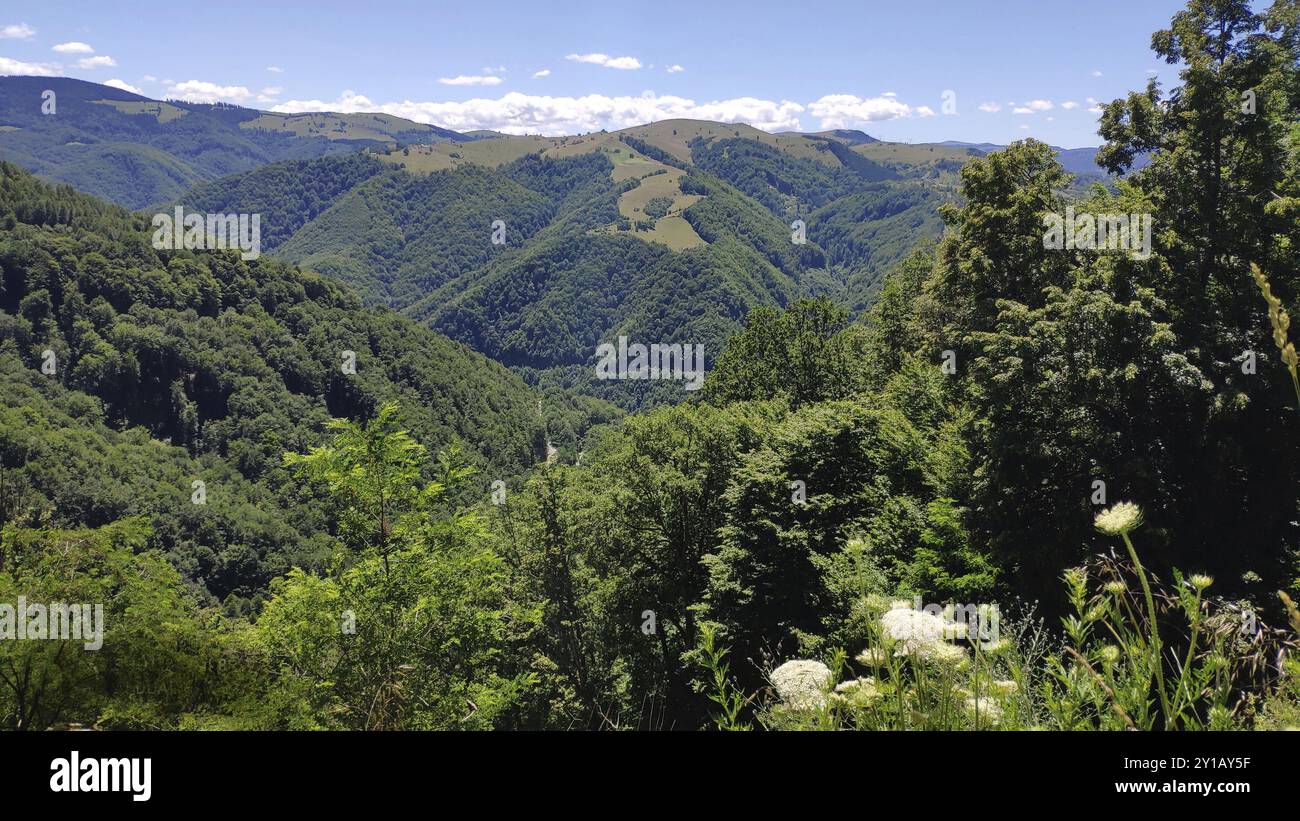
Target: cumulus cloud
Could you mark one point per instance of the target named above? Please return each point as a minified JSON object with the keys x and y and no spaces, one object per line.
{"x":9,"y":66}
{"x":546,"y":72}
{"x":845,"y":110}
{"x":201,"y":91}
{"x":1022,"y":110}
{"x":516,"y":113}
{"x":125,"y":86}
{"x":100,"y":61}
{"x":74,"y":47}
{"x":274,"y":69}
{"x":990,"y":108}
{"x":625,"y":63}
{"x":17,"y":31}
{"x":674,"y":69}
{"x":1040,"y":105}
{"x":1096,"y":73}
{"x":1069,"y":105}
{"x":470,"y":80}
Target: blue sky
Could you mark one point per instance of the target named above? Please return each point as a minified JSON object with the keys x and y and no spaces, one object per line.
{"x":1016,"y":68}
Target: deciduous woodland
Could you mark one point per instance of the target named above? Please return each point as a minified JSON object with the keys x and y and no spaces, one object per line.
{"x":940,"y":472}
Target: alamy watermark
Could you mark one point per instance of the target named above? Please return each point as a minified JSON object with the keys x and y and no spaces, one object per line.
{"x":1098,"y":232}
{"x":637,"y":361}
{"x":208,"y":232}
{"x":53,"y":622}
{"x":972,"y":622}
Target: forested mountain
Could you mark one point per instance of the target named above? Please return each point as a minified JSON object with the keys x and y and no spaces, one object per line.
{"x":402,"y":213}
{"x":136,"y":151}
{"x":670,"y":232}
{"x":130,"y":372}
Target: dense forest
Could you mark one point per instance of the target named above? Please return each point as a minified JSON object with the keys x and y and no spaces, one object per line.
{"x":340,"y":488}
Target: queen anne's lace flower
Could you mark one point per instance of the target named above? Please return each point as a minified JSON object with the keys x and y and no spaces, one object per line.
{"x":921,"y":634}
{"x":1120,"y":519}
{"x":861,"y":691}
{"x":802,"y":683}
{"x":912,"y":628}
{"x":872,"y":657}
{"x":987,"y":709}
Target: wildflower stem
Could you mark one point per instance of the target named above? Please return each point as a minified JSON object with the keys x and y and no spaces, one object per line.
{"x":1191,"y":653}
{"x":1155,"y":628}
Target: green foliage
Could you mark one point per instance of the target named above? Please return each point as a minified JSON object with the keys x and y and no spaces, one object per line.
{"x":231,"y":362}
{"x":405,"y":631}
{"x":162,"y":662}
{"x":807,"y":353}
{"x":724,"y":694}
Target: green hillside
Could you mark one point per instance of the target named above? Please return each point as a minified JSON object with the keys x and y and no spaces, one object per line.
{"x":138,"y":152}
{"x":671,"y":232}
{"x":169,"y":367}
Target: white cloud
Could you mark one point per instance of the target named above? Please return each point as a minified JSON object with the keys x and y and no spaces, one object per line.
{"x":1095,"y":110}
{"x":625,"y":63}
{"x":100,"y":61}
{"x":1096,"y":73}
{"x":1040,"y":105}
{"x":546,"y":72}
{"x":148,"y":78}
{"x":8,"y":66}
{"x":890,"y":94}
{"x":494,"y":70}
{"x":269,"y":94}
{"x":125,"y":86}
{"x":201,"y":91}
{"x":470,"y":80}
{"x":674,"y":69}
{"x":1092,"y":100}
{"x":1022,"y":110}
{"x":990,"y":108}
{"x":844,"y":110}
{"x":1024,"y":127}
{"x":16,"y":31}
{"x":274,"y":69}
{"x":516,"y":113}
{"x":1069,"y":105}
{"x":1051,"y":119}
{"x":74,"y":47}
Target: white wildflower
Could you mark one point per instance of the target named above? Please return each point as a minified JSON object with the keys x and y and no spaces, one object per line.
{"x":872,"y":657}
{"x":1005,"y":688}
{"x":1120,"y":519}
{"x":802,"y":683}
{"x":921,"y":634}
{"x":987,"y":709}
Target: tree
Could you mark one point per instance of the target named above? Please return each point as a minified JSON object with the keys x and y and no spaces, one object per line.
{"x":406,"y":630}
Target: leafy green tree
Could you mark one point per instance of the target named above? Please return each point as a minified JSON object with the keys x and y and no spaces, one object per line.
{"x":806,"y":353}
{"x":406,"y":630}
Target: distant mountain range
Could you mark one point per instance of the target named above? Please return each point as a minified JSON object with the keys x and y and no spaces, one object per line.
{"x":671,"y":231}
{"x":137,"y":152}
{"x":140,"y":152}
